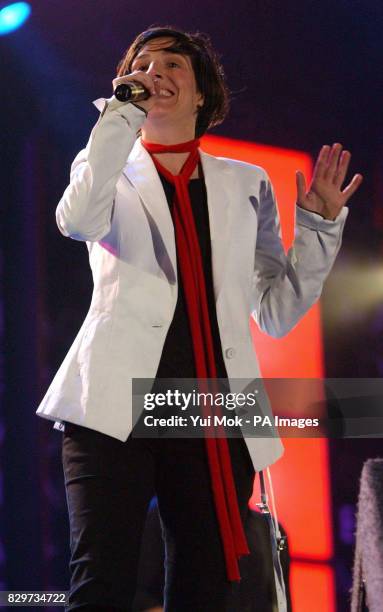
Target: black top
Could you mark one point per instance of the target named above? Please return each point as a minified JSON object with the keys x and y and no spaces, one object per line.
{"x":177,"y":359}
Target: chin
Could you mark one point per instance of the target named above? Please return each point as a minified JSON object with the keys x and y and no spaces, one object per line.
{"x":159,"y":114}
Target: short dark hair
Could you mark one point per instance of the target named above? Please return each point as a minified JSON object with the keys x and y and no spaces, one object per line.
{"x":208,"y":71}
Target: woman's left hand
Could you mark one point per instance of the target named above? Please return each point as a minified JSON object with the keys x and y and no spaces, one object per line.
{"x":325,"y":196}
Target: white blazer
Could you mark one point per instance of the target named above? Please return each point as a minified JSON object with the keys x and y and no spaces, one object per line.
{"x":115,"y":202}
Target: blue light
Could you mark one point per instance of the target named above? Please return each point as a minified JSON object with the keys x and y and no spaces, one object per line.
{"x":13,"y":16}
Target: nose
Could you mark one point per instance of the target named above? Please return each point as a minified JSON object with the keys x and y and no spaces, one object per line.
{"x":154,"y":70}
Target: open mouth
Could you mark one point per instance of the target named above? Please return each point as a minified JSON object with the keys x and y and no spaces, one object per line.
{"x":166,"y":93}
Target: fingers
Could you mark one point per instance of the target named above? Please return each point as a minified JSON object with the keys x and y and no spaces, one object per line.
{"x":321,"y":162}
{"x":333,"y":160}
{"x":352,"y":187}
{"x":139,"y":77}
{"x":332,"y":164}
{"x":341,"y":171}
{"x":301,"y":186}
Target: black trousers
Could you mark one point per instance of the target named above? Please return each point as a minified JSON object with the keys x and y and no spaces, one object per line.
{"x":109,"y":484}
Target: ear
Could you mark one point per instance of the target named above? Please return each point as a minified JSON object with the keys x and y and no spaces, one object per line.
{"x":200,"y":101}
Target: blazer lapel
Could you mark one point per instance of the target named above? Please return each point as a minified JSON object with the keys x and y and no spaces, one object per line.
{"x":142,"y":173}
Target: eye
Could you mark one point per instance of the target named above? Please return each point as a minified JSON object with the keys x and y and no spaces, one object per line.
{"x":143,"y":67}
{"x":171,"y":64}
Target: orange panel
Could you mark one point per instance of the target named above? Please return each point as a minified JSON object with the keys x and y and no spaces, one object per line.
{"x":297,"y":355}
{"x":312,"y":588}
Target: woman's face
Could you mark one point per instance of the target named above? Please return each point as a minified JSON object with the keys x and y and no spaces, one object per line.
{"x":177,"y":96}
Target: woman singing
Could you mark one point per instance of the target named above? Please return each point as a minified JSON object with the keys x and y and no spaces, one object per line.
{"x":184,"y":247}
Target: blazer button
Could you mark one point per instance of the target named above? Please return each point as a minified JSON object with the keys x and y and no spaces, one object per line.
{"x":230,"y":352}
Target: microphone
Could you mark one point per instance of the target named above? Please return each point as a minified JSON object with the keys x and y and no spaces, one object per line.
{"x":131,"y":92}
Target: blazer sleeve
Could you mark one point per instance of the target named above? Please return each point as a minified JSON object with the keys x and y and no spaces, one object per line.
{"x":85,"y":209}
{"x":286,"y":286}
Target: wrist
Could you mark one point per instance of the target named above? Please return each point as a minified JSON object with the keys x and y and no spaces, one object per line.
{"x":327,"y":215}
{"x":140,"y":108}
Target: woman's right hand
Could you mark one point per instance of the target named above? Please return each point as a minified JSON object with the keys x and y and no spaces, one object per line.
{"x":146,"y":80}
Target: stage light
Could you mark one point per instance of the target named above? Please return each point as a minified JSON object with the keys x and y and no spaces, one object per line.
{"x":13,"y":16}
{"x":357,"y":290}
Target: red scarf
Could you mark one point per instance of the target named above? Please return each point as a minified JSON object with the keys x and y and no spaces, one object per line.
{"x":190,"y":260}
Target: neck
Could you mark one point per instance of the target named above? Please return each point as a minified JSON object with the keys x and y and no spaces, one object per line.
{"x":169,"y":134}
{"x":172,"y":135}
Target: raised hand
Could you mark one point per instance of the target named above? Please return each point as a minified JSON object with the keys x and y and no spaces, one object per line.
{"x":325,"y":196}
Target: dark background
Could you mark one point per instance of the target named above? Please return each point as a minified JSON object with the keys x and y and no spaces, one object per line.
{"x":302,"y":74}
